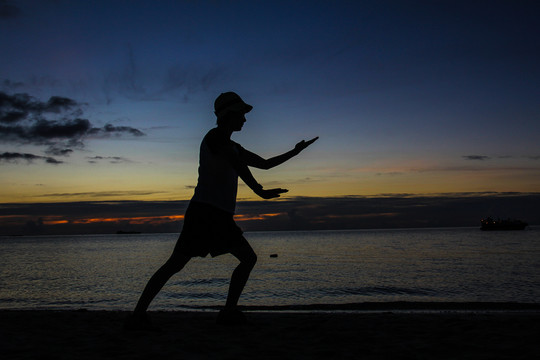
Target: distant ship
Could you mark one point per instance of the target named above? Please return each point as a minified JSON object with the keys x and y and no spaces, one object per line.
{"x":508,"y":224}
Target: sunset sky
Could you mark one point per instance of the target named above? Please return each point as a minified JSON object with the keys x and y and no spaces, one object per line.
{"x":109,"y":100}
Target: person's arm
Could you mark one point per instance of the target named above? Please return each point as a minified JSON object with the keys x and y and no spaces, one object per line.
{"x":247,"y":177}
{"x":222,"y":146}
{"x":256,"y":161}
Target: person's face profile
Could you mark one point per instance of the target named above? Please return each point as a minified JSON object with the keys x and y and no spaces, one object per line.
{"x":237,"y":120}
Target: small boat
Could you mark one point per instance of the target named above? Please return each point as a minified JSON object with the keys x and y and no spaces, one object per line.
{"x":508,"y":224}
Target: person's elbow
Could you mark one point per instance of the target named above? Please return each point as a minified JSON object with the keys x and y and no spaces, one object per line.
{"x":262,"y":164}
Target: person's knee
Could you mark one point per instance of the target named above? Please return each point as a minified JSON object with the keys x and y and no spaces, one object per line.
{"x":254,"y":258}
{"x":245,"y":255}
{"x":250,"y":260}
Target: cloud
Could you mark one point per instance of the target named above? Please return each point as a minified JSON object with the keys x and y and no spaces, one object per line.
{"x":191,"y":79}
{"x":110,"y":159}
{"x":109,"y":130}
{"x":58,"y":152}
{"x":13,"y":157}
{"x":8,"y":84}
{"x":8,"y":10}
{"x":17,"y":107}
{"x":476,"y":157}
{"x":181,"y":80}
{"x":105,"y":194}
{"x":66,"y":129}
{"x":390,"y":173}
{"x":56,"y":123}
{"x":504,"y":157}
{"x":24,"y":119}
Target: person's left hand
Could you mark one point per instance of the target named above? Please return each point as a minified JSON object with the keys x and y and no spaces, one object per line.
{"x":304,"y":144}
{"x":271,"y":193}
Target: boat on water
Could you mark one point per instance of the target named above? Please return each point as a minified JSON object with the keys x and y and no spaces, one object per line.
{"x":506,"y":224}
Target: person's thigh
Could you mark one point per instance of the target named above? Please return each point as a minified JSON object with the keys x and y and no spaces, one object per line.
{"x":177,"y":261}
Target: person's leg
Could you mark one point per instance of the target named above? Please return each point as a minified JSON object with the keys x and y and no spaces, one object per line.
{"x":240,"y":275}
{"x":175,"y":263}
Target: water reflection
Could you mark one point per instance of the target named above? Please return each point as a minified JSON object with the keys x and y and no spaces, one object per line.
{"x":109,"y":271}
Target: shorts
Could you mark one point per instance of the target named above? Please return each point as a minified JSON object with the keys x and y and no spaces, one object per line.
{"x":208,"y":230}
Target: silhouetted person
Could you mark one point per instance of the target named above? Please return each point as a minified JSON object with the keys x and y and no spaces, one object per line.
{"x":209,"y":227}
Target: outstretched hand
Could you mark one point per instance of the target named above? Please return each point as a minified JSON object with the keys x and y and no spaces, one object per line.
{"x":275,"y":193}
{"x":304,"y":144}
{"x":271,"y":193}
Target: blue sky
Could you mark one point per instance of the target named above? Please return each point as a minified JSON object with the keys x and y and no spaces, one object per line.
{"x":416,"y":97}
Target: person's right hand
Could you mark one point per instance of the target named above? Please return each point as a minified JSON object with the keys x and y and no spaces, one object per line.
{"x":304,"y":144}
{"x":271,"y":193}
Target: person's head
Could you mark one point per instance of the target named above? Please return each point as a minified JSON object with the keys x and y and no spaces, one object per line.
{"x":230,"y":110}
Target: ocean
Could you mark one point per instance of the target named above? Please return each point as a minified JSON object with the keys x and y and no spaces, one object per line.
{"x":108,"y":272}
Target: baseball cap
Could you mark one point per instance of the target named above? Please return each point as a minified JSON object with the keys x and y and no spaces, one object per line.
{"x":230,"y":101}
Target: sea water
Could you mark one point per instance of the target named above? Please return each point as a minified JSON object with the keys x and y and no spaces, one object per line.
{"x":108,"y":272}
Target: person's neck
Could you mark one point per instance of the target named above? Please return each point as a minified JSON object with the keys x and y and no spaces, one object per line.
{"x":225,"y":131}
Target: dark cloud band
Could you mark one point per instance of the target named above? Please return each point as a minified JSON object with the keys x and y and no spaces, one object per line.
{"x":476,"y":157}
{"x":14,"y":157}
{"x":109,"y":130}
{"x":26,"y":120}
{"x":302,"y":213}
{"x":18,"y":107}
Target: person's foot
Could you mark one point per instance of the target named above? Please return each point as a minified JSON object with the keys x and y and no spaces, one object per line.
{"x":136,"y":322}
{"x":231,"y":317}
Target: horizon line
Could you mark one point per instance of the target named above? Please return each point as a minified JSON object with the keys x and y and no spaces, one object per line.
{"x":463,"y":194}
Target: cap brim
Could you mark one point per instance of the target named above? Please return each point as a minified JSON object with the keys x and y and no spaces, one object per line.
{"x":240,"y":107}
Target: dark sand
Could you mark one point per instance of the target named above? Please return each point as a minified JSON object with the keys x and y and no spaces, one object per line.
{"x":391,"y":332}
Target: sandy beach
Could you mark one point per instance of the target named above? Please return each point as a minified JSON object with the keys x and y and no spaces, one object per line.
{"x":433,"y":333}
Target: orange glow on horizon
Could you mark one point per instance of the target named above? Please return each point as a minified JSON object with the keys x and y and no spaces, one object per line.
{"x":55,"y":222}
{"x":242,"y":217}
{"x":139,"y":220}
{"x":132,"y":220}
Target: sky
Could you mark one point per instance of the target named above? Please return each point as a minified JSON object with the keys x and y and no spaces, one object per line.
{"x":107,"y":101}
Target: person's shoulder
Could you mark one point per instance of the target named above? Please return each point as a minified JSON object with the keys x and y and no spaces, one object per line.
{"x":216,"y":140}
{"x":215,"y":136}
{"x":213,"y":132}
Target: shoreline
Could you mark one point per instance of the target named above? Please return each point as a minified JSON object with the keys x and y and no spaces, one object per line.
{"x":390,"y":306}
{"x":401,"y":306}
{"x":509,"y":333}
